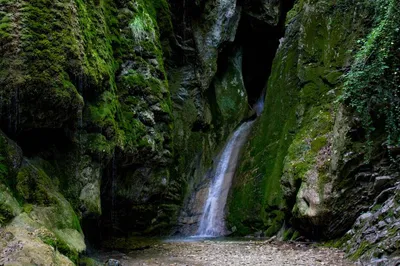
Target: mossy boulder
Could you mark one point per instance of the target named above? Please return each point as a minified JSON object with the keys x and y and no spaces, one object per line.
{"x":375,"y":234}
{"x":38,"y":222}
{"x":50,"y":209}
{"x":27,"y":242}
{"x":9,"y":206}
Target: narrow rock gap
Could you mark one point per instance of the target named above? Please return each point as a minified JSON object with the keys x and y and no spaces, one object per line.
{"x":260,"y":42}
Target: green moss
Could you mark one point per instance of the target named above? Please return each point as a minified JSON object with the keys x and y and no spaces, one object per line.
{"x":27,"y":208}
{"x":296,"y":126}
{"x":275,"y":222}
{"x":86,"y":261}
{"x":6,"y":213}
{"x":65,"y":249}
{"x":364,"y":246}
{"x":376,"y":207}
{"x":33,"y":186}
{"x":230,"y":93}
{"x":294,"y":11}
{"x":53,"y":215}
{"x":339,"y":242}
{"x":59,"y":244}
{"x":258,"y":176}
{"x":371,"y":87}
{"x":318,"y":143}
{"x":40,"y":69}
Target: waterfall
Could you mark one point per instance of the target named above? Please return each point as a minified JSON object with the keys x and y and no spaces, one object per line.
{"x":212,"y":222}
{"x":259,"y":105}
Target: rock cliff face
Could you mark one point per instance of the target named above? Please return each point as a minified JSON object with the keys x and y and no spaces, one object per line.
{"x":113,"y":112}
{"x":314,"y":162}
{"x":85,"y":96}
{"x":97,"y":132}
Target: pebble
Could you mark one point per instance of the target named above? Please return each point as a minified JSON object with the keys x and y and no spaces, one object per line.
{"x":235,"y":253}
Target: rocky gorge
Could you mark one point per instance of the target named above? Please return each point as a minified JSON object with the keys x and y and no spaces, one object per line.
{"x":114,"y":115}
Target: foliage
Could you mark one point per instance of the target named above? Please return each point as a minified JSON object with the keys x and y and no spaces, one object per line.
{"x":372,"y":86}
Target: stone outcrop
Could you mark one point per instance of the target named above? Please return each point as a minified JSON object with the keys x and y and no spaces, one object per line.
{"x":375,"y":234}
{"x":37,"y":223}
{"x":310,"y":163}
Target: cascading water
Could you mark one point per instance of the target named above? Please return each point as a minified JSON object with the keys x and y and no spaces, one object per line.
{"x":212,"y":222}
{"x":259,"y":105}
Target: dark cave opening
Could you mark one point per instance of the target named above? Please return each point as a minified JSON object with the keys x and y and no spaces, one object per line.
{"x":260,"y":42}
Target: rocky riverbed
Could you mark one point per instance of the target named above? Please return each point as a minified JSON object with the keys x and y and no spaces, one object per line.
{"x":232,"y":252}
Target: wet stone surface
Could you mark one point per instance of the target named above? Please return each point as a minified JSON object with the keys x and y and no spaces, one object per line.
{"x":231,"y":253}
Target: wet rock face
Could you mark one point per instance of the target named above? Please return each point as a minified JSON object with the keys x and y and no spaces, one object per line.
{"x":189,"y":218}
{"x":38,"y":76}
{"x":306,"y":157}
{"x":375,"y":234}
{"x":85,"y":82}
{"x":216,"y":27}
{"x":209,"y":90}
{"x":330,"y":213}
{"x":267,"y":11}
{"x":326,"y":180}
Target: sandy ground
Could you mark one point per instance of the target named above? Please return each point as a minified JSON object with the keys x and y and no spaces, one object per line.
{"x":206,"y":252}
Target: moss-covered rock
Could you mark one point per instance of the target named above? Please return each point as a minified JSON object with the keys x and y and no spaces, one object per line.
{"x":95,"y":71}
{"x":50,"y":209}
{"x":230,"y":93}
{"x":28,"y":242}
{"x":34,"y":213}
{"x":9,"y":206}
{"x":37,"y":40}
{"x":296,"y":151}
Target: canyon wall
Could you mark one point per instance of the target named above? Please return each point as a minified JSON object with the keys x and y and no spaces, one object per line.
{"x":113,"y":113}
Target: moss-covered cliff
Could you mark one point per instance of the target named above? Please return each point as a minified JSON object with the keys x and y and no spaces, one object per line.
{"x":317,"y":156}
{"x":106,"y":136}
{"x":84,"y":93}
{"x":113,"y":112}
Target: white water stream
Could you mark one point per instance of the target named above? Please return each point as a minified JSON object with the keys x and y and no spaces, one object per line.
{"x":212,"y":222}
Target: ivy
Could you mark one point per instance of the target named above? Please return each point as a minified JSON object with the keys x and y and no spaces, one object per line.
{"x":372,"y":86}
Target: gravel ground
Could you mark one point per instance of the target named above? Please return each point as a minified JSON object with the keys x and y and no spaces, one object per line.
{"x":231,"y":253}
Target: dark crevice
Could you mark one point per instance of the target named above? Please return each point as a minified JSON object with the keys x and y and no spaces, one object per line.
{"x":183,"y":12}
{"x":260,"y":42}
{"x":44,"y":142}
{"x":108,"y":220}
